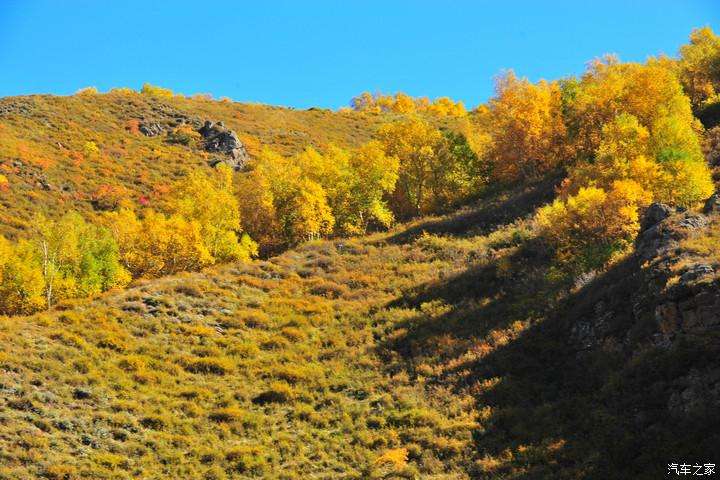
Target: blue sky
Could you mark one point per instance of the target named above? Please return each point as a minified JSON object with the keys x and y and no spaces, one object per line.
{"x":322,"y":53}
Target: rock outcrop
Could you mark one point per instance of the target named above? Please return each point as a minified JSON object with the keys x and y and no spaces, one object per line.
{"x":219,"y":139}
{"x":664,"y":297}
{"x":683,"y":289}
{"x":712,"y":205}
{"x":216,"y":138}
{"x":151,"y":129}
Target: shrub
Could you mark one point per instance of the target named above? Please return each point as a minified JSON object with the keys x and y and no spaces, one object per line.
{"x":208,"y":365}
{"x":234,"y":415}
{"x":154,"y":422}
{"x":279,"y":392}
{"x":247,"y":459}
{"x":184,"y":135}
{"x":61,"y":472}
{"x":155,"y":91}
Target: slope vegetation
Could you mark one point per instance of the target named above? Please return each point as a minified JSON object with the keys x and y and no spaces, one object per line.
{"x":407,"y":354}
{"x":61,"y":153}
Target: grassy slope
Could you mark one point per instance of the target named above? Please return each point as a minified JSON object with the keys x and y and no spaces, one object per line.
{"x":42,"y":141}
{"x":283,"y":368}
{"x":456,"y":346}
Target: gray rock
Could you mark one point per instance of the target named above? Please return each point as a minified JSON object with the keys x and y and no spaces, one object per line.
{"x":692,"y":221}
{"x":151,"y":129}
{"x":218,"y":139}
{"x":656,"y":213}
{"x":712,"y":205}
{"x":695,"y":272}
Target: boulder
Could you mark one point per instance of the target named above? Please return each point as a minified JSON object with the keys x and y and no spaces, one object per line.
{"x":151,"y":129}
{"x":696,"y":271}
{"x":656,"y":213}
{"x":219,"y":139}
{"x":658,"y":236}
{"x":712,"y":205}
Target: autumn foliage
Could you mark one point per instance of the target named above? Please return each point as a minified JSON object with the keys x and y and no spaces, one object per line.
{"x":622,"y":135}
{"x":405,"y":104}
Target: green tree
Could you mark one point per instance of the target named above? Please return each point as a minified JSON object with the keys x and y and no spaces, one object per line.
{"x":77,"y":258}
{"x":435,"y":170}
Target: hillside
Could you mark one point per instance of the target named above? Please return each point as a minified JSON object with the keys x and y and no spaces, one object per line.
{"x":62,"y":153}
{"x":450,"y":354}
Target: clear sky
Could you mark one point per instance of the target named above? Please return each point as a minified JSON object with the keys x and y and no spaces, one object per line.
{"x":322,"y":53}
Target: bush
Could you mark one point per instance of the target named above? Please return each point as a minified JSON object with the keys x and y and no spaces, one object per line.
{"x":155,"y":91}
{"x":279,"y":392}
{"x":208,"y":365}
{"x":590,"y":228}
{"x":247,"y":459}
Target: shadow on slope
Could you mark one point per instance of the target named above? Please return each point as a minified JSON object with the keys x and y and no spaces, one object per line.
{"x":498,"y":208}
{"x":568,"y":385}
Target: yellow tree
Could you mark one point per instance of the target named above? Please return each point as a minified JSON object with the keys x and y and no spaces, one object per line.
{"x":527,"y":128}
{"x":156,"y":245}
{"x":22,"y":285}
{"x":609,"y":88}
{"x":257,"y":210}
{"x":307,"y":216}
{"x":699,"y":67}
{"x":373,"y":176}
{"x":210,"y":201}
{"x":405,"y":104}
{"x":590,"y":228}
{"x":446,"y":107}
{"x":667,"y":163}
{"x":365,"y":102}
{"x":355,"y":182}
{"x":436,"y":169}
{"x":282,"y":189}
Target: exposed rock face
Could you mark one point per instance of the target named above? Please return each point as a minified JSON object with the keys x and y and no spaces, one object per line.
{"x":712,"y":205}
{"x":160,"y":118}
{"x":664,"y":297}
{"x":696,"y":393}
{"x":151,"y":129}
{"x":656,"y":213}
{"x":21,"y":106}
{"x":658,"y":237}
{"x":216,"y":137}
{"x":219,"y":139}
{"x":686,"y":291}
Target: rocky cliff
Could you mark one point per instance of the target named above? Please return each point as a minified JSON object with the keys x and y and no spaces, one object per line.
{"x":664,"y":299}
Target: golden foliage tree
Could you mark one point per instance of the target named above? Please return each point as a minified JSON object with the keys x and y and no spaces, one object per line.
{"x":648,"y":92}
{"x":667,"y":163}
{"x":587,"y":229}
{"x":285,"y":201}
{"x":699,"y":67}
{"x":22,"y":286}
{"x":156,"y":244}
{"x":355,"y":182}
{"x":527,"y":128}
{"x":210,"y":200}
{"x":405,"y":104}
